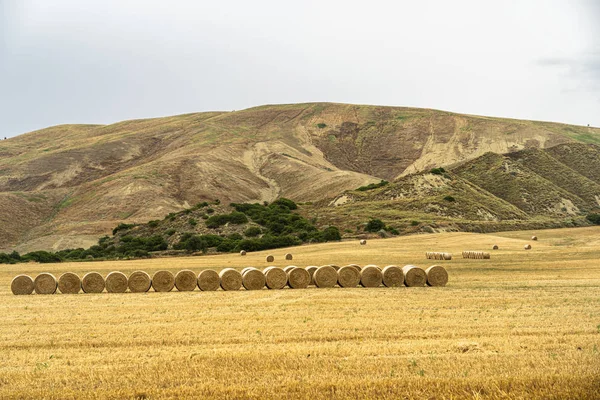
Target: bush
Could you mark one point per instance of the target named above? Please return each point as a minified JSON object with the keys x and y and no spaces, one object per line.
{"x":438,"y":171}
{"x":41,"y":257}
{"x":593,"y":218}
{"x":414,"y":223}
{"x":321,"y":125}
{"x":122,"y":227}
{"x":170,"y":232}
{"x":449,"y":198}
{"x":201,"y":205}
{"x":192,"y":222}
{"x":371,"y":186}
{"x":153,"y":224}
{"x":210,"y":210}
{"x":374,"y":225}
{"x":331,"y":233}
{"x":253,"y":231}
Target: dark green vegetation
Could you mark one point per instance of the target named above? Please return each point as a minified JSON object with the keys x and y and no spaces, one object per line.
{"x":250,"y":227}
{"x":372,"y":186}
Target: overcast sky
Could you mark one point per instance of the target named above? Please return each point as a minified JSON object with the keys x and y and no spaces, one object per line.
{"x":73,"y":61}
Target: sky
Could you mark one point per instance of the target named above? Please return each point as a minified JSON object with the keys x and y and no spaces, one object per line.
{"x":72,"y":61}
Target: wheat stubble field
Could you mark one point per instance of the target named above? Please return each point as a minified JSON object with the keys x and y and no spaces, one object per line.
{"x":525,"y":324}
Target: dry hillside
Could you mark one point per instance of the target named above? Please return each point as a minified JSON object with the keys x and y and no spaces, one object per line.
{"x":65,"y":186}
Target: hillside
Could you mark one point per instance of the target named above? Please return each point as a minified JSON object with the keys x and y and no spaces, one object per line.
{"x":65,"y":186}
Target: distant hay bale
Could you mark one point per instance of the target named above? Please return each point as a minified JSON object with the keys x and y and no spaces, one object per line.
{"x":289,"y":268}
{"x":495,"y":247}
{"x":289,"y":256}
{"x":392,"y":276}
{"x":527,"y":247}
{"x":447,"y":256}
{"x":22,"y":284}
{"x":186,"y":281}
{"x":534,"y":238}
{"x":363,"y":242}
{"x":336,"y":267}
{"x":371,"y":276}
{"x":231,"y":279}
{"x":116,"y":282}
{"x":139,"y":282}
{"x":325,"y":276}
{"x":348,"y":276}
{"x":311,"y":270}
{"x":436,"y":276}
{"x":209,"y":280}
{"x":486,"y":255}
{"x":298,"y":278}
{"x":45,"y":283}
{"x":414,"y":276}
{"x":270,"y":258}
{"x":92,"y":282}
{"x":243,"y":253}
{"x":373,"y":265}
{"x":275,"y":278}
{"x":69,"y":283}
{"x":163,"y":281}
{"x":355,"y":266}
{"x":253,"y":279}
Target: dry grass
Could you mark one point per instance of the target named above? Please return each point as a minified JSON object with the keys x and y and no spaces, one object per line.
{"x":522,"y":325}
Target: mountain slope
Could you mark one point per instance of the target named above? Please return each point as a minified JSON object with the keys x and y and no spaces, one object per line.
{"x":88,"y":178}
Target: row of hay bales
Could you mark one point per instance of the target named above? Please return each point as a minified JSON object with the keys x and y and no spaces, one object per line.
{"x":480,"y":255}
{"x":250,"y":278}
{"x":434,"y":255}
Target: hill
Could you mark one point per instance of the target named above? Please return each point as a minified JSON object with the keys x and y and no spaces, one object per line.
{"x":66,"y":186}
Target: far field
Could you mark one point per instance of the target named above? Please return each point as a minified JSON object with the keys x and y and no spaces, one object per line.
{"x":525,"y":324}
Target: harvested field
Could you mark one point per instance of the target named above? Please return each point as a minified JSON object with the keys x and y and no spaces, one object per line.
{"x":525,"y":324}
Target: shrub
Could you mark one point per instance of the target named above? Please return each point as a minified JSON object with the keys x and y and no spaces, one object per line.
{"x":41,"y":257}
{"x":374,"y":225}
{"x":210,"y":210}
{"x":414,"y":223}
{"x":235,"y":237}
{"x":122,"y":227}
{"x":371,"y":186}
{"x":331,"y":233}
{"x":593,"y":218}
{"x":449,"y":198}
{"x":283,"y":202}
{"x":321,"y":125}
{"x":153,"y":224}
{"x":192,"y":222}
{"x":201,"y":205}
{"x":170,"y":232}
{"x":438,"y":171}
{"x":253,"y":231}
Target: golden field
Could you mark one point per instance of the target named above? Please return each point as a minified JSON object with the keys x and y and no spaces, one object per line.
{"x":525,"y":324}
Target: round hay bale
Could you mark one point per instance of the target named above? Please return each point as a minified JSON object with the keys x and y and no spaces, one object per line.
{"x":270,"y":258}
{"x":534,"y":238}
{"x":348,"y":276}
{"x":275,"y":278}
{"x":69,"y":283}
{"x":355,"y":266}
{"x":495,"y":247}
{"x":186,"y":281}
{"x":139,"y":282}
{"x":436,"y":276}
{"x":22,"y":284}
{"x":392,"y":276}
{"x":231,"y":279}
{"x":208,"y":280}
{"x":243,"y":253}
{"x":298,"y":278}
{"x":45,"y":283}
{"x":486,"y":256}
{"x":92,"y":282}
{"x":371,"y":276}
{"x":163,"y":281}
{"x":325,"y":276}
{"x":363,"y":242}
{"x":253,"y":279}
{"x":447,"y":256}
{"x":373,"y":265}
{"x":116,"y":282}
{"x":289,"y":268}
{"x":311,"y":270}
{"x":414,"y":276}
{"x":289,"y":256}
{"x":336,"y":267}
{"x":243,"y":271}
{"x":527,"y":247}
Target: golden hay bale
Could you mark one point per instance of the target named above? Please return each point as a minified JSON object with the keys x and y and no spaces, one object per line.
{"x":355,"y":266}
{"x":22,"y":284}
{"x":45,"y":283}
{"x":311,"y":270}
{"x":139,"y":282}
{"x":414,"y":276}
{"x":270,"y":258}
{"x":289,"y":268}
{"x":336,"y":267}
{"x":495,"y":247}
{"x":253,"y":279}
{"x":371,"y":276}
{"x":447,"y":256}
{"x":231,"y":279}
{"x":527,"y":247}
{"x":243,"y":253}
{"x":486,"y":256}
{"x":325,"y":276}
{"x":348,"y":276}
{"x":289,"y":256}
{"x":392,"y":276}
{"x":186,"y":281}
{"x":163,"y":281}
{"x":363,"y":242}
{"x":92,"y":282}
{"x":373,"y":265}
{"x":534,"y":238}
{"x":209,"y":280}
{"x":436,"y":276}
{"x":69,"y":283}
{"x":243,"y":271}
{"x":298,"y":278}
{"x":275,"y":277}
{"x":116,"y":282}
